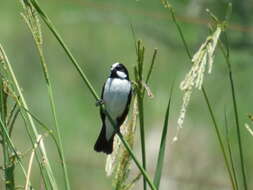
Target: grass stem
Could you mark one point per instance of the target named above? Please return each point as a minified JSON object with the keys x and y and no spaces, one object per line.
{"x":27,"y":118}
{"x":226,"y":54}
{"x":230,"y":153}
{"x":88,"y":84}
{"x":140,"y":97}
{"x":204,"y":95}
{"x":8,"y":164}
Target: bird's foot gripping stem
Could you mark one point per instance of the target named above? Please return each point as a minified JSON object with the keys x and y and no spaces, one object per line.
{"x":100,"y":102}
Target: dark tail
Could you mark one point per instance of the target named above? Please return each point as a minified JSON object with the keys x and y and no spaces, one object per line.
{"x":102,"y":145}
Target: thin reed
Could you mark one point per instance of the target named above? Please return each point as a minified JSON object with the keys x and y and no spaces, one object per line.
{"x":119,"y":165}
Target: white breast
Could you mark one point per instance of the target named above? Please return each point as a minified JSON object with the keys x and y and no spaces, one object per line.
{"x":115,"y":97}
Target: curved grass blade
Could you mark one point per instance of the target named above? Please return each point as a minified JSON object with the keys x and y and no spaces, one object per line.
{"x":160,"y":159}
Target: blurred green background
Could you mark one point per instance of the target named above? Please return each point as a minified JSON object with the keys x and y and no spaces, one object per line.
{"x":99,"y":34}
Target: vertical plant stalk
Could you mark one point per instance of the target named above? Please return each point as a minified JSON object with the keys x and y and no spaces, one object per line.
{"x":33,"y":23}
{"x":230,"y":153}
{"x":12,"y":118}
{"x":178,"y":28}
{"x":226,"y":54}
{"x":142,"y":133}
{"x":89,"y":86}
{"x":8,"y":164}
{"x":29,"y":118}
{"x":11,"y":145}
{"x":140,"y":96}
{"x":167,"y":5}
{"x":238,"y":130}
{"x":5,"y":131}
{"x":220,"y":140}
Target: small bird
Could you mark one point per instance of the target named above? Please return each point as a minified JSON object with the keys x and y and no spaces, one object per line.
{"x":116,"y":96}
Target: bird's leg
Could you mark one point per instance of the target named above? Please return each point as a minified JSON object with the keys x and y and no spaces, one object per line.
{"x":100,"y":102}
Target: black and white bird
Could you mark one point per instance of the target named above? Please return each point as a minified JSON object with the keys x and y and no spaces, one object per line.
{"x":116,"y":96}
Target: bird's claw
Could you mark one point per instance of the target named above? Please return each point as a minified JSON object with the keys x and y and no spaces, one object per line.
{"x":100,"y":102}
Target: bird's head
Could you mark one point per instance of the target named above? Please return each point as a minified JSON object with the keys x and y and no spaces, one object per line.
{"x":118,"y":70}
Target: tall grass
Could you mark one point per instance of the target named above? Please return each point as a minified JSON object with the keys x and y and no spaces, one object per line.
{"x":14,"y":104}
{"x":88,"y":84}
{"x":40,"y":153}
{"x":138,"y":71}
{"x":33,"y":24}
{"x":223,"y":24}
{"x":226,"y":55}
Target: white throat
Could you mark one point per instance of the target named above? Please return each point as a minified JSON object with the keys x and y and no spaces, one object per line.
{"x":121,"y":74}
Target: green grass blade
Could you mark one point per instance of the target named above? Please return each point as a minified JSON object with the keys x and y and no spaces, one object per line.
{"x":140,"y":97}
{"x":8,"y":164}
{"x":226,"y":54}
{"x":160,"y":160}
{"x":134,"y":38}
{"x":238,"y":131}
{"x":230,"y":153}
{"x":174,"y":19}
{"x":33,"y":133}
{"x":219,"y":136}
{"x":12,"y":118}
{"x":12,"y":147}
{"x":151,"y":66}
{"x":64,"y":46}
{"x":142,"y":134}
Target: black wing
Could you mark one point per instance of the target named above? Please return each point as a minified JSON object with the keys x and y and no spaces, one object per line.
{"x":102,"y":114}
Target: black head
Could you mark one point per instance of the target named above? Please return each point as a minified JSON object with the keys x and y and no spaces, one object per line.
{"x":118,"y":70}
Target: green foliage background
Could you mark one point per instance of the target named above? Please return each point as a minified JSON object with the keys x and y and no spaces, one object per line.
{"x":99,"y":34}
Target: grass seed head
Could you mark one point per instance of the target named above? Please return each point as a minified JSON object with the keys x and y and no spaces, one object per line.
{"x":202,"y":59}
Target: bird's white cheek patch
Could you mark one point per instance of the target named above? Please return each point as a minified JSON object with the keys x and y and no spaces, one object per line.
{"x":121,"y":74}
